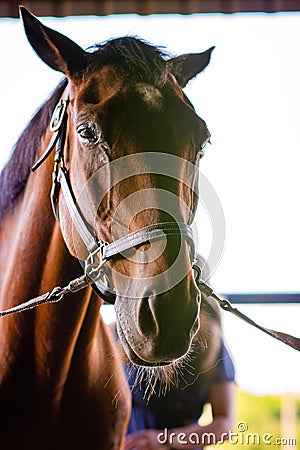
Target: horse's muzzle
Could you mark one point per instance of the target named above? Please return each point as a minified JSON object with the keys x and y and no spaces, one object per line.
{"x":158,"y":329}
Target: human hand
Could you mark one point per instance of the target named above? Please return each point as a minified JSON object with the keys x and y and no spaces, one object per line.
{"x":144,"y":440}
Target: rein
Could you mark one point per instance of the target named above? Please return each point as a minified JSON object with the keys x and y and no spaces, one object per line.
{"x":94,"y":272}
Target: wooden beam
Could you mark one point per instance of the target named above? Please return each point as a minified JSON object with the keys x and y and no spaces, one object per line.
{"x":9,"y":8}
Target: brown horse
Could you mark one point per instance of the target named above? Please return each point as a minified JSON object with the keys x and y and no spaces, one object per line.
{"x":61,"y":383}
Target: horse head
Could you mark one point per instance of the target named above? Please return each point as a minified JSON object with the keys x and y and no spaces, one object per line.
{"x":132,"y":148}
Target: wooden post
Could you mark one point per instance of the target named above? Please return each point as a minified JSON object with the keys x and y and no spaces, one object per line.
{"x":288,"y":422}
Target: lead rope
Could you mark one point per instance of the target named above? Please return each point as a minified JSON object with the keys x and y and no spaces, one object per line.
{"x":93,"y":273}
{"x":225,"y":304}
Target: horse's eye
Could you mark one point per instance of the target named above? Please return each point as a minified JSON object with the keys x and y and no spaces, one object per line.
{"x":88,"y":133}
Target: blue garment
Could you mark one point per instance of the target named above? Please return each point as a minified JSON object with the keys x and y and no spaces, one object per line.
{"x":181,"y":406}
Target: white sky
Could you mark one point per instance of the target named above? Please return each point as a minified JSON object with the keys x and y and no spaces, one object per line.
{"x":249,"y":96}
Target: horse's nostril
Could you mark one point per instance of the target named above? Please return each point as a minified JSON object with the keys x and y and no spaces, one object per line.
{"x":147,"y":323}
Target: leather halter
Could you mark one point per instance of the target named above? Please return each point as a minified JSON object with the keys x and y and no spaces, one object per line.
{"x":94,"y":272}
{"x":94,"y":245}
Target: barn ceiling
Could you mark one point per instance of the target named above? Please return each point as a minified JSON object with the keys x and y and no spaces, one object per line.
{"x":9,"y":8}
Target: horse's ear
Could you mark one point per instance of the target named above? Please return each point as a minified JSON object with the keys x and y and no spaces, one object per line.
{"x":185,"y":67}
{"x":55,"y":49}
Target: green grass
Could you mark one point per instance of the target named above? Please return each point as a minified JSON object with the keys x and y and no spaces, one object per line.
{"x":262,"y":414}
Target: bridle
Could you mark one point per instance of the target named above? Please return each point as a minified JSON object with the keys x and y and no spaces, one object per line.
{"x":99,"y":252}
{"x":96,"y":248}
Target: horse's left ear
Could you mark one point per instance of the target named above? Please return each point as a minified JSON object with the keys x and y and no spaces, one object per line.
{"x":185,"y":67}
{"x":55,"y":49}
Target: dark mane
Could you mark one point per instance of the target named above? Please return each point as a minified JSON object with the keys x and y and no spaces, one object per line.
{"x":138,"y":60}
{"x":14,"y":176}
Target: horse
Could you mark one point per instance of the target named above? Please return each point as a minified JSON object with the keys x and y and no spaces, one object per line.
{"x":61,"y":381}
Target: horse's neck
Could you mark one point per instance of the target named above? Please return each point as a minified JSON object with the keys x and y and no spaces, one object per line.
{"x":59,"y":377}
{"x":34,"y":259}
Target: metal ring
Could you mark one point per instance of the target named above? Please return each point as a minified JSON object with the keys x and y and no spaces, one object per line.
{"x":197,"y":269}
{"x":94,"y":271}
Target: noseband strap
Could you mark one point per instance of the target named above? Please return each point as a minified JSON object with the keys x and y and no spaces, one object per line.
{"x":149,"y":234}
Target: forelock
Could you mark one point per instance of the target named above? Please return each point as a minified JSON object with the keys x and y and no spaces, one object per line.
{"x":139,"y":61}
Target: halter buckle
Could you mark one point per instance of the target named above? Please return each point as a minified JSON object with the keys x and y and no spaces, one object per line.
{"x":58,"y":115}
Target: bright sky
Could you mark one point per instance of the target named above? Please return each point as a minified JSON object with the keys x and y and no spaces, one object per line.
{"x":249,"y":96}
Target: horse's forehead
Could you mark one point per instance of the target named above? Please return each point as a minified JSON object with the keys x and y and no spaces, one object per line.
{"x":108,"y":82}
{"x":98,"y":88}
{"x":99,"y":85}
{"x":149,"y":94}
